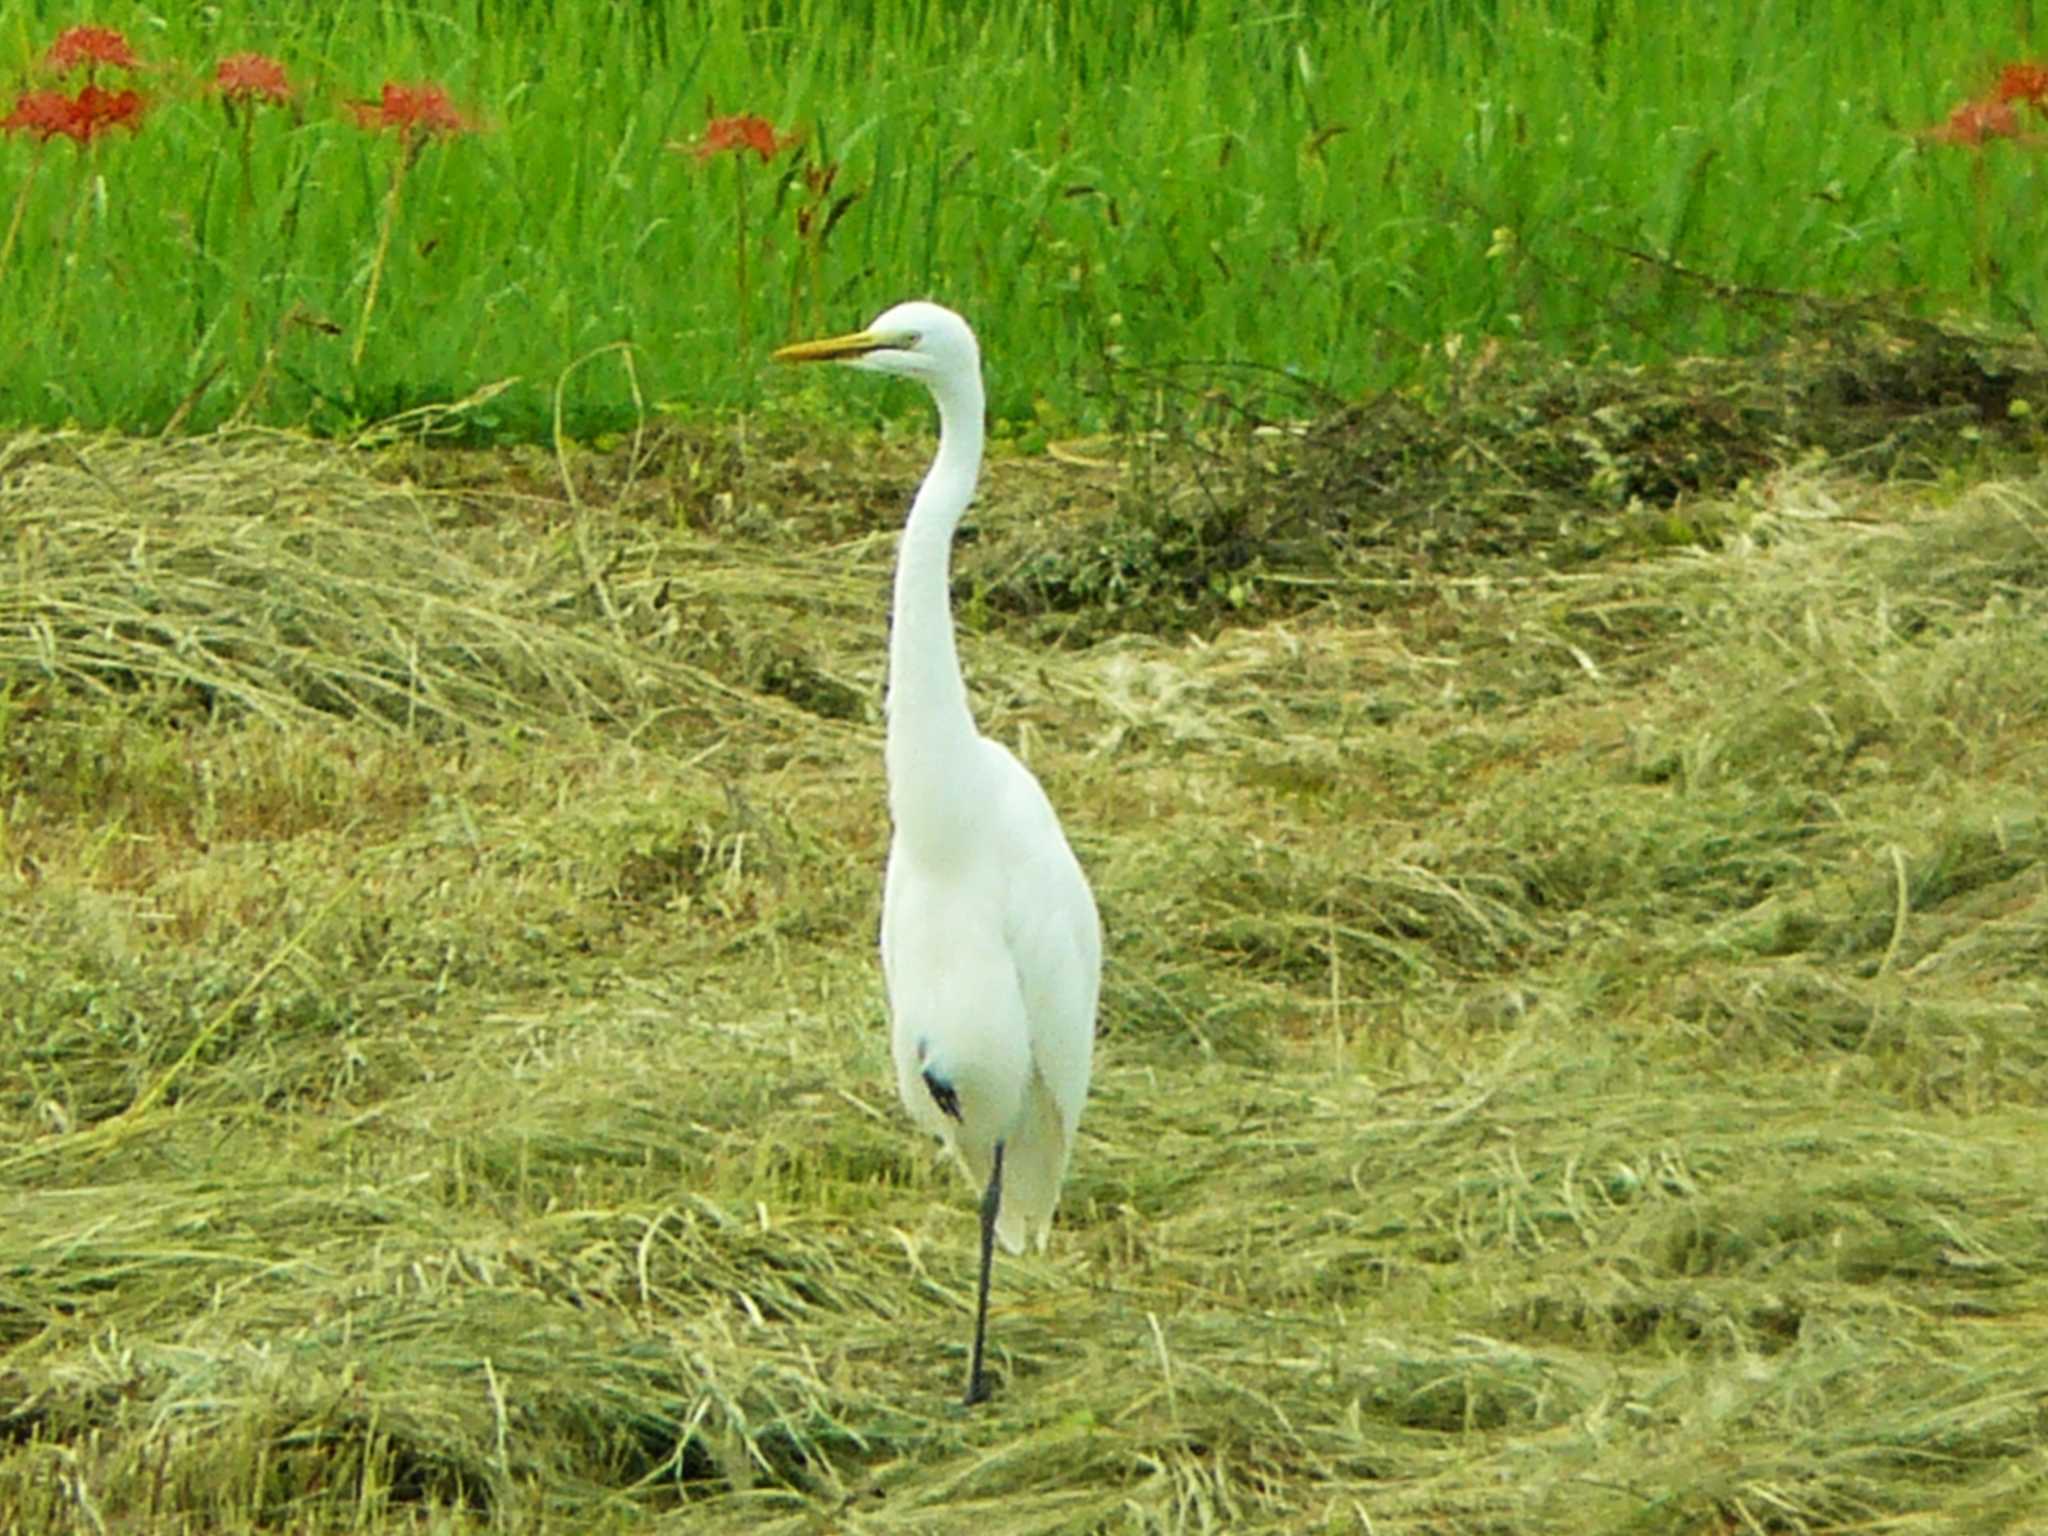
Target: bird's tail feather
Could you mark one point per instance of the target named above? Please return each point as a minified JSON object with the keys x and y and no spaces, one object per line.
{"x":1034,"y":1163}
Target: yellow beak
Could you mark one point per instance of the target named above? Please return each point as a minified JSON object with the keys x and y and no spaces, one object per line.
{"x":836,"y":348}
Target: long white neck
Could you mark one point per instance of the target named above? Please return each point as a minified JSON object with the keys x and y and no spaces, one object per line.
{"x":930,"y":751}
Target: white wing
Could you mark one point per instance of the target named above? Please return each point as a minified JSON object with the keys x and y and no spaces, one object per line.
{"x":1054,"y":937}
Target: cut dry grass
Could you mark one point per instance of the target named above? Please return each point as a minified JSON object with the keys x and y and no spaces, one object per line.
{"x":1572,"y":1056}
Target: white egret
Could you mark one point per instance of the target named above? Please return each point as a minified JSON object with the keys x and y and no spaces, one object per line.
{"x":991,"y":948}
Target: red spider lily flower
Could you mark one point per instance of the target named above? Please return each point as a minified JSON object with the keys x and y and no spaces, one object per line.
{"x":2023,"y":82}
{"x":252,"y":77}
{"x":410,"y":109}
{"x":743,"y":132}
{"x":1975,"y":121}
{"x":82,"y":118}
{"x":46,"y":114}
{"x":88,"y":48}
{"x":102,"y":110}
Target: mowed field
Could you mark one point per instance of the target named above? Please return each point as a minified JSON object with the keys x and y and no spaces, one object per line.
{"x":1572,"y":1055}
{"x":1516,"y":540}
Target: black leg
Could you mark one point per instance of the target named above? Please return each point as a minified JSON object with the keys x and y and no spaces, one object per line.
{"x":991,"y":1202}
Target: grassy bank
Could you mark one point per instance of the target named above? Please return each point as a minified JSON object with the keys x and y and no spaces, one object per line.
{"x":1274,"y":200}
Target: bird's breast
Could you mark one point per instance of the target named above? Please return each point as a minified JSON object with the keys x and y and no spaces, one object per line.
{"x":956,"y":1011}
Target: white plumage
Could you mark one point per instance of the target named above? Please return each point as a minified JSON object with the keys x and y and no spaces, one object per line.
{"x":991,"y":948}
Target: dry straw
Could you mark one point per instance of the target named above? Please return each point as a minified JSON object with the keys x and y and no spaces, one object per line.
{"x":1572,"y":1056}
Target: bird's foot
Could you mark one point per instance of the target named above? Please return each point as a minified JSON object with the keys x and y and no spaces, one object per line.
{"x":978,"y":1390}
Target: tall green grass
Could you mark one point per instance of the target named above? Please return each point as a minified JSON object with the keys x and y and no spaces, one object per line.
{"x":1314,"y":196}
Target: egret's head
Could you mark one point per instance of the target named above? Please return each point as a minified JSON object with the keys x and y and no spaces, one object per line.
{"x":918,"y":340}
